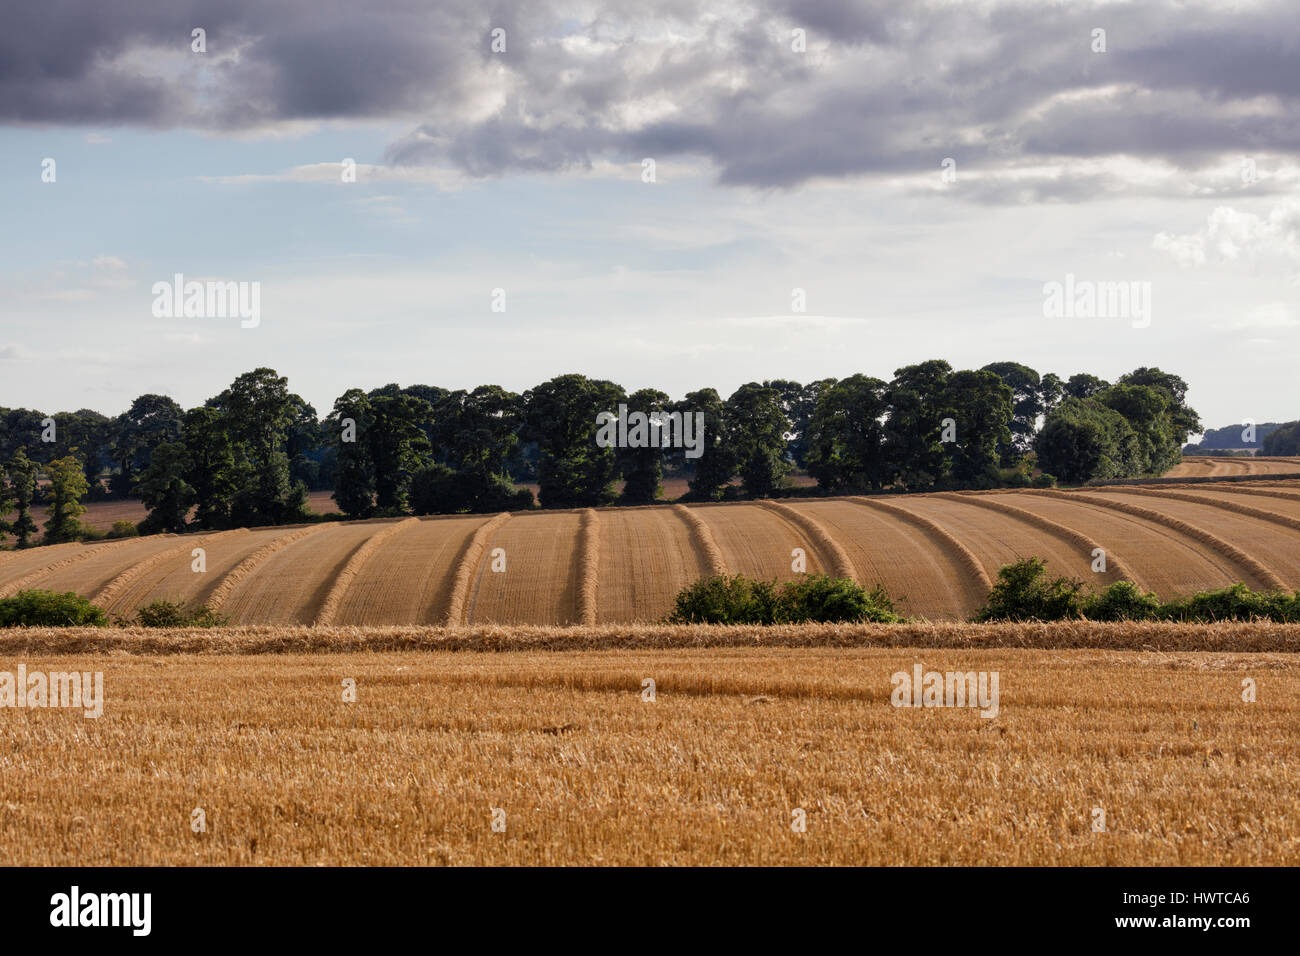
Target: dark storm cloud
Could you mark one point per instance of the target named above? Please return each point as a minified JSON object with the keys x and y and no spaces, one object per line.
{"x":884,"y":88}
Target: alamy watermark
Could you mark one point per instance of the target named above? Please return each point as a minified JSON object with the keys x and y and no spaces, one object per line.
{"x":924,"y":688}
{"x":1085,"y":299}
{"x":131,"y":910}
{"x":651,"y":430}
{"x":54,"y":689}
{"x":180,"y":299}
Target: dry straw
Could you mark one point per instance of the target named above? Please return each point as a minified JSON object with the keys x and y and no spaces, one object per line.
{"x":836,"y":558}
{"x":980,"y":579}
{"x":217,"y":599}
{"x":588,"y":566}
{"x":705,"y":546}
{"x":1076,"y":538}
{"x":330,"y":606}
{"x":467,"y":565}
{"x":1262,"y":574}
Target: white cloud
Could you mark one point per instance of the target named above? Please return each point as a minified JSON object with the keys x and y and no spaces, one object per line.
{"x":1230,"y":236}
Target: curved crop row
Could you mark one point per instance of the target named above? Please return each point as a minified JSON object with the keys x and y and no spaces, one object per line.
{"x":1077,"y":538}
{"x":13,"y":587}
{"x":467,"y":564}
{"x":702,"y":536}
{"x":108,"y":594}
{"x":246,"y":567}
{"x":330,"y":606}
{"x":1212,"y":541}
{"x":1225,"y":505}
{"x":941,"y":534}
{"x":838,"y":559}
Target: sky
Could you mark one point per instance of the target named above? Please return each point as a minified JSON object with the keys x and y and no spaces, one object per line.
{"x":838,"y":187}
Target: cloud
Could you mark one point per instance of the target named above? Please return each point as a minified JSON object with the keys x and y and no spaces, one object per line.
{"x":882,"y":89}
{"x":1268,"y":317}
{"x":12,"y":353}
{"x":1230,"y":236}
{"x":331,"y":173}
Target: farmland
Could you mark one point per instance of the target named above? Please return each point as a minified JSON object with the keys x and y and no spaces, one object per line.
{"x":1212,"y":466}
{"x":936,"y":554}
{"x":586,"y":771}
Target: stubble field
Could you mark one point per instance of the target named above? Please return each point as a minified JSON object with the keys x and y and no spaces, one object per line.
{"x":712,"y":771}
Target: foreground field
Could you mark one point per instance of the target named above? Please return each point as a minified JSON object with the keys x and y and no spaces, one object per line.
{"x":936,"y":554}
{"x":712,"y":771}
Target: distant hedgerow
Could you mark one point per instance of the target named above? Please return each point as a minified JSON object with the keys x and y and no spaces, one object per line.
{"x":177,"y":614}
{"x":1023,"y":592}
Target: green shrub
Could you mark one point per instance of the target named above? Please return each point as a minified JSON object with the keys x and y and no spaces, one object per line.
{"x":821,"y":598}
{"x":1236,"y":603}
{"x":1024,"y":593}
{"x":123,"y":529}
{"x":724,"y":599}
{"x":1044,"y":481}
{"x":816,"y":598}
{"x":177,"y":614}
{"x":1122,"y":601}
{"x":50,"y":609}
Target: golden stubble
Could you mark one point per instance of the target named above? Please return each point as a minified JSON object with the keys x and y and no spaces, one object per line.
{"x":588,"y":772}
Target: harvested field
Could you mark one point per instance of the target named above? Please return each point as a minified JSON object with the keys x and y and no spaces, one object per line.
{"x":1268,"y":554}
{"x":920,"y":575}
{"x":1222,"y":466}
{"x":757,"y":541}
{"x":936,"y":555}
{"x":1000,"y":536}
{"x":1157,"y":557}
{"x":540,"y":582}
{"x":587,"y":772}
{"x":644,"y":554}
{"x":87,"y":571}
{"x":289,"y":582}
{"x":409,"y":579}
{"x":176,"y":580}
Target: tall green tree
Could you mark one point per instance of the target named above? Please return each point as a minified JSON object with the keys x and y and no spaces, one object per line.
{"x":397,"y":443}
{"x":150,"y":421}
{"x":1183,"y":418}
{"x":259,"y":409}
{"x":846,"y":436}
{"x":476,"y":431}
{"x":21,"y":473}
{"x":915,"y":454}
{"x":212,"y":470}
{"x":87,"y":434}
{"x":755,"y":429}
{"x":67,"y":487}
{"x":643,"y":468}
{"x":716,"y":464}
{"x":981,"y":406}
{"x":1027,"y":395}
{"x":561,"y":416}
{"x":354,"y":481}
{"x":1082,"y":439}
{"x":165,"y":492}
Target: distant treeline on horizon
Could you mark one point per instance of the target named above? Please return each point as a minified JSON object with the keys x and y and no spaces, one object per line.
{"x":250,"y":455}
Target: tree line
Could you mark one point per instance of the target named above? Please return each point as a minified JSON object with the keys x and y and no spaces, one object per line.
{"x":249,"y":455}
